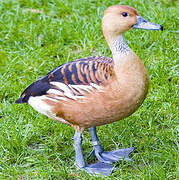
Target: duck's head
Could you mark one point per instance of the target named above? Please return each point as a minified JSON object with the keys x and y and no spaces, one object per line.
{"x":120,"y":18}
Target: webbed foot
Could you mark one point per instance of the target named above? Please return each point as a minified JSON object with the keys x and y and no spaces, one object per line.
{"x":112,"y":156}
{"x":99,"y":168}
{"x":108,"y":156}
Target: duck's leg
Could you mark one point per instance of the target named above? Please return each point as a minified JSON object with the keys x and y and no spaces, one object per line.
{"x":98,"y":168}
{"x":79,"y":159}
{"x":108,"y":156}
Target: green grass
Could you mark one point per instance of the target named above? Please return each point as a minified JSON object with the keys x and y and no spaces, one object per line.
{"x":31,"y":44}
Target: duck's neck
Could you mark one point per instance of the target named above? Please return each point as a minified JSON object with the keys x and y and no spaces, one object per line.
{"x":119,"y":47}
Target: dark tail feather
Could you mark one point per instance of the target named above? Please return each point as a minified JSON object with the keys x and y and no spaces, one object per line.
{"x":37,"y":88}
{"x":20,"y":100}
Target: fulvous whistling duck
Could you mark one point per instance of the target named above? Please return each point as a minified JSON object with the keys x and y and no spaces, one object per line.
{"x":94,"y":91}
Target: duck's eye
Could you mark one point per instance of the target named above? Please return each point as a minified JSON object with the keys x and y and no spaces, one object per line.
{"x":124,"y":14}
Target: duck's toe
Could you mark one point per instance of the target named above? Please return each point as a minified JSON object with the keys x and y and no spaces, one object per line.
{"x":113,"y":156}
{"x":99,"y":168}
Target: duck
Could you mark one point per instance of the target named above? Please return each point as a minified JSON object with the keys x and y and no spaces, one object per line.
{"x":96,"y":90}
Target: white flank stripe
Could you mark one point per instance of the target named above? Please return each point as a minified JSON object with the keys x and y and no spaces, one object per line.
{"x":80,"y":97}
{"x":70,"y":96}
{"x":62,"y":86}
{"x":54,"y":91}
{"x":48,"y":98}
{"x":60,"y":98}
{"x":68,"y":90}
{"x":82,"y":88}
{"x":95,"y":86}
{"x":65,"y":88}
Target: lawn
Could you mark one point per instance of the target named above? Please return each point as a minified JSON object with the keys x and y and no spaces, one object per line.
{"x":37,"y":36}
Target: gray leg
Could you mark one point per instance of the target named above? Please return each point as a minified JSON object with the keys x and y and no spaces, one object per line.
{"x":97,"y":148}
{"x":108,"y":156}
{"x":79,"y":162}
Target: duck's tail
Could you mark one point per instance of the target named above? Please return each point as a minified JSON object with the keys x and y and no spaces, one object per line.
{"x":20,"y":100}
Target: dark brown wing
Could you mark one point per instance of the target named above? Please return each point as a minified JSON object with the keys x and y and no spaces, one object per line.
{"x":85,"y":71}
